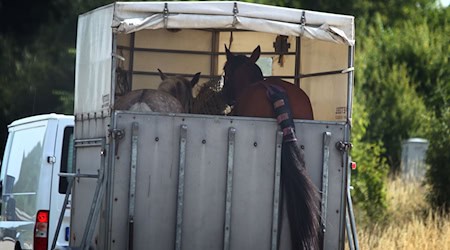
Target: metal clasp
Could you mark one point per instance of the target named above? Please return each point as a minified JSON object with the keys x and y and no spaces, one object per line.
{"x":116,"y":133}
{"x":302,"y":23}
{"x":166,"y":14}
{"x":343,"y":146}
{"x":235,"y":12}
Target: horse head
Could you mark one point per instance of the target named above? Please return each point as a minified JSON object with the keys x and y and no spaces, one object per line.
{"x":179,"y":87}
{"x":240,"y":72}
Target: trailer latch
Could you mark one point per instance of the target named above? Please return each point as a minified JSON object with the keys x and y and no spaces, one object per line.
{"x":343,"y":146}
{"x":116,"y":133}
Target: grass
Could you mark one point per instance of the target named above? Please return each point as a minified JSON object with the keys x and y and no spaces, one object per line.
{"x":411,"y":224}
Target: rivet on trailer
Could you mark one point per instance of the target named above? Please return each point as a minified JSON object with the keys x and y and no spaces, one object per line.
{"x":207,"y":181}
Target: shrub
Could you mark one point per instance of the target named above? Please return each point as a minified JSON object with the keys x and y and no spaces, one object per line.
{"x":369,"y":178}
{"x":438,"y":158}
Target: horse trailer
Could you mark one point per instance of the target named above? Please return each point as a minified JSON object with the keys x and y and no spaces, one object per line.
{"x":199,"y":181}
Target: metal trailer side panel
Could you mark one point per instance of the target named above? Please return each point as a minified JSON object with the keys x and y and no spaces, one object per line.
{"x":88,"y":161}
{"x":205,"y":176}
{"x":93,"y":127}
{"x":89,"y":133}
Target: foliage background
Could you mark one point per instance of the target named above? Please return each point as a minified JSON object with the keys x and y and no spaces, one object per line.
{"x":402,"y":80}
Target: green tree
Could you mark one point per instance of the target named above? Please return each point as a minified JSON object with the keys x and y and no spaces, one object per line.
{"x":438,"y":158}
{"x":404,"y":80}
{"x":369,"y":177}
{"x":37,"y":59}
{"x":402,"y":76}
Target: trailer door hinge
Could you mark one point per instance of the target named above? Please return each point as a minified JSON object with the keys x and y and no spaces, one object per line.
{"x":344,"y":146}
{"x":116,"y":133}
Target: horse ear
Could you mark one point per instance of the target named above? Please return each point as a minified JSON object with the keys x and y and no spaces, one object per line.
{"x":195,"y":79}
{"x":229,"y":54}
{"x":162,"y":75}
{"x":255,"y":55}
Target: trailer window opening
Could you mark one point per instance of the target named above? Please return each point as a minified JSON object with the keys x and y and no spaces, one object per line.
{"x":66,"y":159}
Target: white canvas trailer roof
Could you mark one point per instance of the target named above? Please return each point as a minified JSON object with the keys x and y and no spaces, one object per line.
{"x":98,"y":31}
{"x":134,"y":16}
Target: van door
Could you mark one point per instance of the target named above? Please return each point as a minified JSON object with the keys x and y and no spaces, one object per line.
{"x":25,"y":174}
{"x":63,"y":164}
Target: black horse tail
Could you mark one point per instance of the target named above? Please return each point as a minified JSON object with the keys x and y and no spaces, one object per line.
{"x":302,"y":198}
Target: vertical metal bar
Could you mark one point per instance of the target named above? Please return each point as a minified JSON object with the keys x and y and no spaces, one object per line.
{"x":351,"y":51}
{"x":96,"y":201}
{"x":347,"y":128}
{"x":111,"y":157}
{"x":213,"y":70}
{"x":229,"y":188}
{"x":346,"y":161}
{"x":63,"y":211}
{"x":325,"y":167}
{"x":351,"y":214}
{"x":298,"y":59}
{"x":180,"y":194}
{"x":66,"y":199}
{"x":351,"y":242}
{"x":344,"y":186}
{"x":110,"y":185}
{"x":113,"y":72}
{"x":132,"y":192}
{"x":351,"y":245}
{"x":276,"y":192}
{"x":131,"y":62}
{"x":94,"y":218}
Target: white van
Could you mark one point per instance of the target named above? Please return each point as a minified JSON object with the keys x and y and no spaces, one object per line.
{"x":37,"y":150}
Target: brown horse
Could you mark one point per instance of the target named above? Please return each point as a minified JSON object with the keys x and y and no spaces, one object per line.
{"x":242,"y":89}
{"x":245,"y":88}
{"x":174,"y":95}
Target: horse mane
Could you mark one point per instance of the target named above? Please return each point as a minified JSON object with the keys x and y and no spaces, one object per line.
{"x":180,"y":88}
{"x":209,"y":99}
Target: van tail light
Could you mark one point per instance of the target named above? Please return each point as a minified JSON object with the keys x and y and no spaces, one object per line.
{"x":41,"y":230}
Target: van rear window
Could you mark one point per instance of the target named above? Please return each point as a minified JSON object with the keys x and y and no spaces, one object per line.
{"x":66,"y":159}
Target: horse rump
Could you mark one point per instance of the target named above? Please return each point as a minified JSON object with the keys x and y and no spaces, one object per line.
{"x":149,"y":100}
